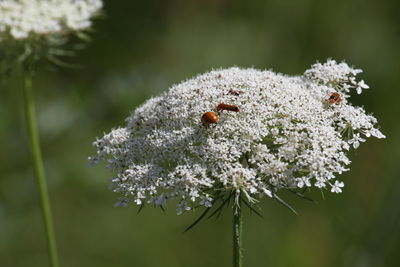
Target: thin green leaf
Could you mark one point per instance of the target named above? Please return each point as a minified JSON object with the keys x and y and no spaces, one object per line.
{"x":220,"y":207}
{"x":197,"y":220}
{"x":229,"y":201}
{"x":322,"y":193}
{"x":61,"y":63}
{"x":62,"y":52}
{"x":251,"y":208}
{"x":79,"y":46}
{"x":302,"y":196}
{"x":284,"y":203}
{"x":140,"y":208}
{"x":83,"y":36}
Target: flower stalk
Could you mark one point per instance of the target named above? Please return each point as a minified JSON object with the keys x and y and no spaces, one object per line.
{"x":38,"y":168}
{"x":237,"y":237}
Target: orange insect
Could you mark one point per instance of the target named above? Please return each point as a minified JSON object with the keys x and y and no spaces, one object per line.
{"x":233,"y":92}
{"x":335,"y":98}
{"x":209,"y":117}
{"x":223,"y":106}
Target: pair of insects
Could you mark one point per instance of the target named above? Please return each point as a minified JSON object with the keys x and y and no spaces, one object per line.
{"x":210,"y":117}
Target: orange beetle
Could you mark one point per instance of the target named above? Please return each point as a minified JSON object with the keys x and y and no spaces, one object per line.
{"x":334,"y":98}
{"x":233,"y":92}
{"x":209,"y":117}
{"x":223,"y":106}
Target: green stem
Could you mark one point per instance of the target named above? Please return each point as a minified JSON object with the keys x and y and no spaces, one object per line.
{"x":237,"y":237}
{"x":39,"y":170}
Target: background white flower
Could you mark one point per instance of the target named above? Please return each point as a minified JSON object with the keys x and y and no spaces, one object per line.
{"x":287,"y":135}
{"x":38,"y":30}
{"x":21,"y":19}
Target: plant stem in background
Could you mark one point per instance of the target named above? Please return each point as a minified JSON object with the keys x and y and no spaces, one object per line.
{"x":38,"y":166}
{"x":237,"y":237}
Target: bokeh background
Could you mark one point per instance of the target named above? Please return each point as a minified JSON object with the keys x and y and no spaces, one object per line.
{"x":139,"y":49}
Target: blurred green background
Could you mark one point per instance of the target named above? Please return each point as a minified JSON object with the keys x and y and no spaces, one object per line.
{"x":139,"y":49}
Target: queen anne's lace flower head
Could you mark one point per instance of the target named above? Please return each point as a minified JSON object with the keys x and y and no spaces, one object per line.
{"x":32,"y":30}
{"x":21,"y":19}
{"x":287,"y":135}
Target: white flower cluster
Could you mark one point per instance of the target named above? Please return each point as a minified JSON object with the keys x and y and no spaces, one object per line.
{"x":286,"y":135}
{"x":21,"y":19}
{"x":339,"y":76}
